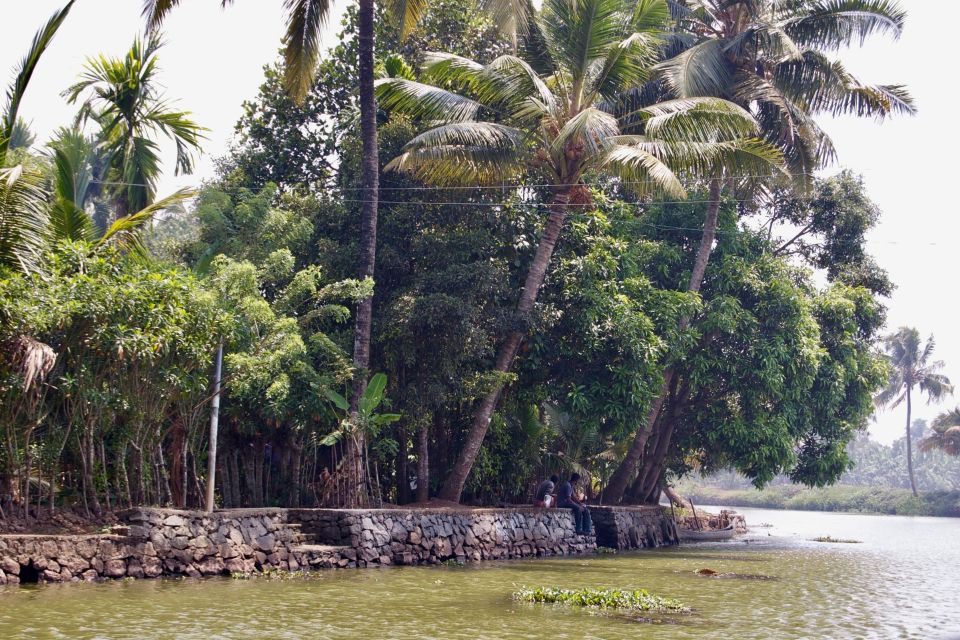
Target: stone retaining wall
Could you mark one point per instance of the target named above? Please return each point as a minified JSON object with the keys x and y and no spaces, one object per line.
{"x":63,"y":558}
{"x":399,"y":536}
{"x":633,"y":527}
{"x":156,"y":542}
{"x":195,"y":543}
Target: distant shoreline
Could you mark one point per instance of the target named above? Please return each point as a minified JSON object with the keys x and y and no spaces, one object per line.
{"x":878,"y":500}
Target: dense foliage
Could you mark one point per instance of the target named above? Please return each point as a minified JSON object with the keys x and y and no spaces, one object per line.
{"x":542,"y":210}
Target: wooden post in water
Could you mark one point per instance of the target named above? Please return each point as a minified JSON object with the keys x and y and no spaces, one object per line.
{"x":695,"y":518}
{"x":214,"y":423}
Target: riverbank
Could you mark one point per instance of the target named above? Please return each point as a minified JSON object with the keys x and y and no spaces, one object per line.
{"x":150,"y":542}
{"x":781,"y":586}
{"x":879,"y":500}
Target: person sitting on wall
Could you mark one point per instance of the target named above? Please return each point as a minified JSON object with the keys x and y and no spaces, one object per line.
{"x":581,"y":514}
{"x":544,"y":497}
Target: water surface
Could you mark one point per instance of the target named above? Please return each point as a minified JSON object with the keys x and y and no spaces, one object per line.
{"x":902,"y":581}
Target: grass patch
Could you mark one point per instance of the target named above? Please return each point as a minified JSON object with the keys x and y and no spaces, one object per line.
{"x":639,"y":600}
{"x":606,"y":550}
{"x":837,"y":540}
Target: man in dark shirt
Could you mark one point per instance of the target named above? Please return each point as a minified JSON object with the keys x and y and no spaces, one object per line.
{"x":581,"y":514}
{"x":546,"y":489}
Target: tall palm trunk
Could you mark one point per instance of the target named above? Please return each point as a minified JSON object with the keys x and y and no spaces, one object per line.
{"x":913,"y":481}
{"x":621,"y":477}
{"x":353,"y":466}
{"x":453,"y":485}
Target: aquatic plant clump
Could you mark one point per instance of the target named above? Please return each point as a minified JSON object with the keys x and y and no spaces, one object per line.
{"x":836,"y":540}
{"x":637,"y":600}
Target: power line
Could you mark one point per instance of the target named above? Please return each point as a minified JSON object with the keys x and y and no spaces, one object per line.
{"x":500,"y":187}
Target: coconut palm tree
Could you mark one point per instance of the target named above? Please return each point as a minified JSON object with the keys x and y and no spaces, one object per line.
{"x":122,"y":96}
{"x":946,"y":433}
{"x":558,"y":128}
{"x":771,"y":57}
{"x":912,"y":368}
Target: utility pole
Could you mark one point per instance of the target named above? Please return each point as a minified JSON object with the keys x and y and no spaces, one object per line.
{"x":214,"y":423}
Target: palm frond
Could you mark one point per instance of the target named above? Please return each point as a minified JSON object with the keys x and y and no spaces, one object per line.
{"x":23,"y":217}
{"x":511,"y":17}
{"x":829,"y":25}
{"x":460,"y":164}
{"x":936,"y":386}
{"x":580,"y":32}
{"x":946,"y":420}
{"x":701,"y":70}
{"x":626,"y":64}
{"x":155,"y":11}
{"x":590,"y":129}
{"x":470,"y":134}
{"x":67,"y":219}
{"x":638,"y":166}
{"x":24,"y":72}
{"x":425,"y":101}
{"x":697,"y":120}
{"x":822,"y":85}
{"x":301,"y":44}
{"x":126,"y":232}
{"x":770,"y":39}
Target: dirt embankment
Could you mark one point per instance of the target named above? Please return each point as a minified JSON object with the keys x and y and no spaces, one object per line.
{"x":62,"y":521}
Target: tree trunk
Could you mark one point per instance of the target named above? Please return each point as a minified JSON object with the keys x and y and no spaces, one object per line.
{"x":658,"y":455}
{"x":913,"y":481}
{"x":453,"y":485}
{"x":355,"y":496}
{"x":423,"y":464}
{"x":621,"y":477}
{"x":87,"y":458}
{"x":403,"y":476}
{"x":235,"y":490}
{"x":297,"y":455}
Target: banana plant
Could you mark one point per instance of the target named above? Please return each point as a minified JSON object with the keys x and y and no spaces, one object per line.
{"x":368,"y":420}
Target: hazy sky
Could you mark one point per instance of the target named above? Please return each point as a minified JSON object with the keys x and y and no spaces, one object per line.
{"x":214,"y":58}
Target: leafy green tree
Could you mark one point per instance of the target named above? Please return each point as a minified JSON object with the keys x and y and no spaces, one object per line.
{"x":130,"y":341}
{"x":912,"y":367}
{"x":771,"y":58}
{"x":560,"y":131}
{"x":281,"y":359}
{"x":827,"y":230}
{"x":121,"y":95}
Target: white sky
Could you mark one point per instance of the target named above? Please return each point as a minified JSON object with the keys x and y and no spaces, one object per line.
{"x":214,"y":58}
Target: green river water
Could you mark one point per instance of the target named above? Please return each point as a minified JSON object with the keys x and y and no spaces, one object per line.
{"x":903,"y":581}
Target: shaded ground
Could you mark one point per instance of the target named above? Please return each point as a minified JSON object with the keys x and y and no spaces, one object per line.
{"x":63,"y":521}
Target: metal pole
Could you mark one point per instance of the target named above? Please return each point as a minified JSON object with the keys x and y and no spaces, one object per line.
{"x":214,"y":422}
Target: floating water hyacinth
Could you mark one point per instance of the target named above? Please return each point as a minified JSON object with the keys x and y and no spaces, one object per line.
{"x":637,"y":600}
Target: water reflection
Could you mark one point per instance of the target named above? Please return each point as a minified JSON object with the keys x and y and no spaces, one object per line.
{"x":901,"y":582}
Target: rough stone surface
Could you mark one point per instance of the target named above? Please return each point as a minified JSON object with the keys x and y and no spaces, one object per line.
{"x":187,"y":543}
{"x":431,"y":536}
{"x":633,"y":527}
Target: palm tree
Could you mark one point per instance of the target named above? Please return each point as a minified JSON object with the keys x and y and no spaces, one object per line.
{"x":22,"y":197}
{"x":771,"y":57}
{"x":559,"y":128}
{"x":946,"y":434}
{"x":911,"y":368}
{"x":122,"y":96}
